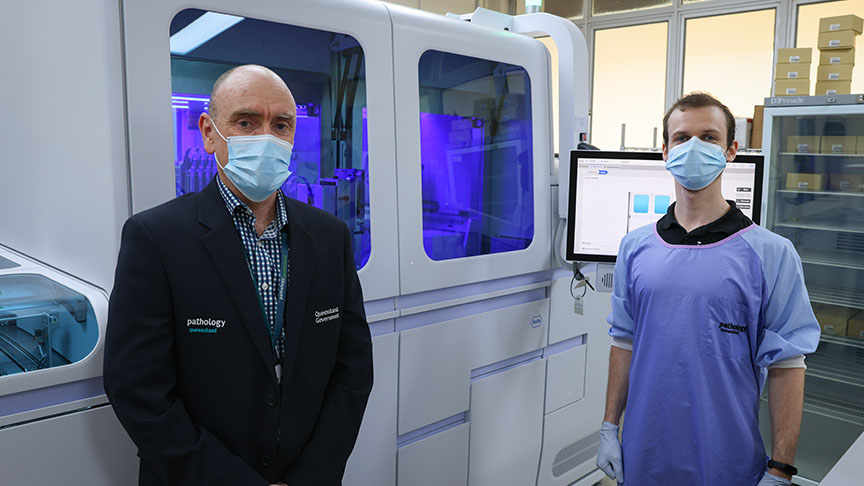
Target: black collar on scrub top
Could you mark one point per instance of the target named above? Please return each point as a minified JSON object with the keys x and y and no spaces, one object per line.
{"x":727,"y":225}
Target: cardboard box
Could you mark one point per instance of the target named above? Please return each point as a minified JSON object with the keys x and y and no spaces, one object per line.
{"x":845,"y":182}
{"x":756,"y":139}
{"x":833,"y":319}
{"x":792,"y":87}
{"x":792,"y":71}
{"x":758,"y":117}
{"x":838,"y":145}
{"x":791,"y":56}
{"x":837,"y":72}
{"x":841,"y":39}
{"x":803,"y":144}
{"x":832,"y":87}
{"x":837,"y":56}
{"x":855,"y":326}
{"x":805,"y":182}
{"x":842,"y":22}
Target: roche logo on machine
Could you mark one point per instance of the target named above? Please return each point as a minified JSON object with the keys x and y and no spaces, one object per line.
{"x":536,"y":321}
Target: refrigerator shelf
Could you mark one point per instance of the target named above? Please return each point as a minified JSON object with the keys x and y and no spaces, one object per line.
{"x":845,"y":341}
{"x":821,"y":193}
{"x":833,"y":410}
{"x":839,"y":227}
{"x":834,"y":361}
{"x":836,"y":295}
{"x":838,"y":156}
{"x":836,"y":377}
{"x":832,"y":258}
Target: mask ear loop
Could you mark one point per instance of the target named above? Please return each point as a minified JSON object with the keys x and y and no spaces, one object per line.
{"x":213,"y":124}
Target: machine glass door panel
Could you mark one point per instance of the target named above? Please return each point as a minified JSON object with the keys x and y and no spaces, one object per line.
{"x":330,"y":159}
{"x":473,"y":148}
{"x":816,"y":200}
{"x":476,"y":157}
{"x":42,"y":324}
{"x":334,"y":55}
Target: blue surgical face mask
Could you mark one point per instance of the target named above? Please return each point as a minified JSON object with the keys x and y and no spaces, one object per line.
{"x":696,"y":164}
{"x":257,"y":164}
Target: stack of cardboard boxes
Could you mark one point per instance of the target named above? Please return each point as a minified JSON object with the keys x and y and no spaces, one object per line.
{"x":792,"y":73}
{"x":837,"y":54}
{"x":840,"y":321}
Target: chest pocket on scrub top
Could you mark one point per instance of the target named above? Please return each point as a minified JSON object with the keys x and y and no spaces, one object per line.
{"x":726,"y":331}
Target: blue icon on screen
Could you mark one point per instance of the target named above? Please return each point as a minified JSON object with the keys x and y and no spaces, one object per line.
{"x":602,"y":172}
{"x":661,"y":204}
{"x":640,"y":203}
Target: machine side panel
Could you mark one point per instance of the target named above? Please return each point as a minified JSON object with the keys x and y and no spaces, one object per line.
{"x":65,"y":191}
{"x":572,"y":432}
{"x":506,"y":426}
{"x":436,"y":361}
{"x":88,"y":447}
{"x":374,"y":458}
{"x":437,"y":460}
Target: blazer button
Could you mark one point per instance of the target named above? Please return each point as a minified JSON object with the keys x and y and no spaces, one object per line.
{"x":271,"y":400}
{"x":265,"y":460}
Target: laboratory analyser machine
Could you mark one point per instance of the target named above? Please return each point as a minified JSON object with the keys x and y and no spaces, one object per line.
{"x":430,"y":136}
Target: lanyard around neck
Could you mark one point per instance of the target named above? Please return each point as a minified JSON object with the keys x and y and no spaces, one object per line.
{"x":276,"y":330}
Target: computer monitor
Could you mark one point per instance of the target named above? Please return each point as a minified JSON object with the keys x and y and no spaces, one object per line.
{"x":613,"y":193}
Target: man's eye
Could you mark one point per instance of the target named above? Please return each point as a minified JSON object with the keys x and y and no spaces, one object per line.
{"x":244,"y":124}
{"x":282,"y":126}
{"x":682,"y":138}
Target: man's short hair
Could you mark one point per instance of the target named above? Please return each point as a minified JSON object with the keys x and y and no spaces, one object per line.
{"x":700,"y":100}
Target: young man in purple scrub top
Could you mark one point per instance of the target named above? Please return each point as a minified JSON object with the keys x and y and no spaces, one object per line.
{"x":706,"y":306}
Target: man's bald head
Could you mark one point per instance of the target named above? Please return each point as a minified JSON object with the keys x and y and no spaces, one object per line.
{"x":240,"y":77}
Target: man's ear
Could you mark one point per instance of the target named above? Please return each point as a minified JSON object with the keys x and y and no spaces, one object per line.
{"x":205,"y":126}
{"x":732,"y":151}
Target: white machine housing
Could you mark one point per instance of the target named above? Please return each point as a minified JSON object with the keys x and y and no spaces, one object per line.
{"x":483,"y":373}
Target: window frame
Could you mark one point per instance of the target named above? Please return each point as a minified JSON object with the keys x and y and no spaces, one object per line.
{"x":677,"y":14}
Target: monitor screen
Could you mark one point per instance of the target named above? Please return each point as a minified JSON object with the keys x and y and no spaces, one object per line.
{"x":613,"y":193}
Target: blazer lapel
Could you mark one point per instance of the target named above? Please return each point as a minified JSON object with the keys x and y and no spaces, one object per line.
{"x":223,"y":244}
{"x":302,"y":258}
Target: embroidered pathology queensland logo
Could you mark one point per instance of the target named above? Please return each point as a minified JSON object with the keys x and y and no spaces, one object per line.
{"x":731,"y":328}
{"x":206,"y":326}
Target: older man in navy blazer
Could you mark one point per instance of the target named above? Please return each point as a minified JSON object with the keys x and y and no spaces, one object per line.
{"x":237,"y":349}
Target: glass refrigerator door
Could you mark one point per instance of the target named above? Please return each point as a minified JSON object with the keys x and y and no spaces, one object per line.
{"x":816,"y":200}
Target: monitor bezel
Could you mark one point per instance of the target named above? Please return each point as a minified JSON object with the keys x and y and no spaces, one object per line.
{"x":756,"y":159}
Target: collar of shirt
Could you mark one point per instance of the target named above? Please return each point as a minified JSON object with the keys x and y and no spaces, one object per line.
{"x":236,"y":207}
{"x":727,"y":225}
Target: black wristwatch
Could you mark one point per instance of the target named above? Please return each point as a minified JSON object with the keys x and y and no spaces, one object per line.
{"x":787,"y":468}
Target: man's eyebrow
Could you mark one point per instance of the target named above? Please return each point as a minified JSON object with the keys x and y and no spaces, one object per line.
{"x":244,"y":113}
{"x":286,"y":116}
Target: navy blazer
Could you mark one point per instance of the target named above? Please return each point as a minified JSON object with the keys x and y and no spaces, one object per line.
{"x":200,"y":398}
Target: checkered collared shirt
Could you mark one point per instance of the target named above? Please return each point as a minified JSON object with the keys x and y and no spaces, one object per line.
{"x":264,"y":255}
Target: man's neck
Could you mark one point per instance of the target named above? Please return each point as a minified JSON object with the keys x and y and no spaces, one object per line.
{"x":264,"y":211}
{"x":698,"y":208}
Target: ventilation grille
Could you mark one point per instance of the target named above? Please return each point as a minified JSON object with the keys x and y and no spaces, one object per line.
{"x":575,"y":454}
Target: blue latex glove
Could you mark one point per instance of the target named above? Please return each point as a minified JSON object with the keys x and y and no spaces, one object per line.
{"x":609,"y":458}
{"x":771,"y":480}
